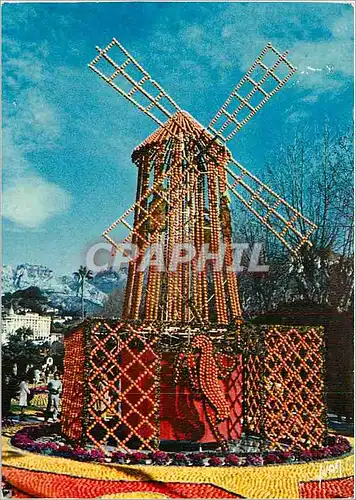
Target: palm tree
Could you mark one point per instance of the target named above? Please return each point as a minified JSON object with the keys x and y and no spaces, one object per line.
{"x":25,"y":333}
{"x":82,"y":274}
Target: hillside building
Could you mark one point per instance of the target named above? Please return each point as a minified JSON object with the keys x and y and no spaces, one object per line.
{"x":40,"y":325}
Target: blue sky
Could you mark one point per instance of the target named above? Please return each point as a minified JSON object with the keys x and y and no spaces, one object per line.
{"x":68,"y":137}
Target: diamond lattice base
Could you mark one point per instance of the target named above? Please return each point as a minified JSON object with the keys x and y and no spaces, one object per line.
{"x":269,"y":382}
{"x":284,"y":385}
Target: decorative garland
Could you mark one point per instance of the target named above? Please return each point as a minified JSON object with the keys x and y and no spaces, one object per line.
{"x":8,"y":422}
{"x":28,"y":438}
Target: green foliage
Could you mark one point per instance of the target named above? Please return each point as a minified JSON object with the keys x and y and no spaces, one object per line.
{"x":31,"y":298}
{"x":21,"y":350}
{"x":57,"y":327}
{"x":7,"y":300}
{"x":24,"y":333}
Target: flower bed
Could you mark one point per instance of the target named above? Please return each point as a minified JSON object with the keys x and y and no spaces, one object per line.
{"x":46,"y":439}
{"x":38,"y":389}
{"x":55,"y":477}
{"x":8,"y":422}
{"x":39,"y":396}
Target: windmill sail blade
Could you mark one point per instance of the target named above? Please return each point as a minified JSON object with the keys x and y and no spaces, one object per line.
{"x":291,"y":227}
{"x":287,"y":223}
{"x":133,"y":82}
{"x":256,"y":88}
{"x":126,"y":76}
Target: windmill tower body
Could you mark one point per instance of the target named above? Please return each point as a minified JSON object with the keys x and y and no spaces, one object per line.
{"x":187,"y":214}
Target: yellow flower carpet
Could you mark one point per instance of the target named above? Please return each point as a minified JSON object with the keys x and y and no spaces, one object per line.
{"x":35,"y":475}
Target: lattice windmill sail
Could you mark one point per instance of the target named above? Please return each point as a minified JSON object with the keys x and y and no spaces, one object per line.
{"x":185,"y":174}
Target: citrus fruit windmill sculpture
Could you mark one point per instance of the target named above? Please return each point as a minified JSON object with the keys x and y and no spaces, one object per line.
{"x":186,"y":171}
{"x":174,"y":368}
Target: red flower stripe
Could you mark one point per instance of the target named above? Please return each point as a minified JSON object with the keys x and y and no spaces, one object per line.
{"x":49,"y":485}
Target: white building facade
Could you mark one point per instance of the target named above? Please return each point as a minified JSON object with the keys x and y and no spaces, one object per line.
{"x":40,"y":325}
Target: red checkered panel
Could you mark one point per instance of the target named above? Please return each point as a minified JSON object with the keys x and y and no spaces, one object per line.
{"x":123,"y":384}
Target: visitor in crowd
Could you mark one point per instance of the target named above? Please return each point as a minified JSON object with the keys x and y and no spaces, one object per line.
{"x":50,"y":371}
{"x":24,"y":393}
{"x":54,"y":391}
{"x":37,"y":375}
{"x":103,"y":402}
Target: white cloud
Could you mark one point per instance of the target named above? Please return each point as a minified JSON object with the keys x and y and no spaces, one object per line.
{"x":325,"y":64}
{"x":26,"y":67}
{"x":313,"y":69}
{"x":336,"y":53}
{"x":319,"y":82}
{"x":297,"y":116}
{"x":312,"y":98}
{"x":31,"y":124}
{"x":342,"y":27}
{"x":33,"y":200}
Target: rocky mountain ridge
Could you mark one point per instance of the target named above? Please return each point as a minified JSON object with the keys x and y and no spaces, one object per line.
{"x":62,"y":290}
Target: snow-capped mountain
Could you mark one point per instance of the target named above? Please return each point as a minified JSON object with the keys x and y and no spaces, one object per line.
{"x":62,"y":290}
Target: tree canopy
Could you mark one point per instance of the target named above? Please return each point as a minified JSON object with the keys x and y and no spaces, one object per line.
{"x":30,"y":298}
{"x":314,"y":173}
{"x":20,"y":349}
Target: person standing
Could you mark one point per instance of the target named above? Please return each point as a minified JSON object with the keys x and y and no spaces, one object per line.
{"x":24,"y":393}
{"x":37,"y":376}
{"x":54,"y":391}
